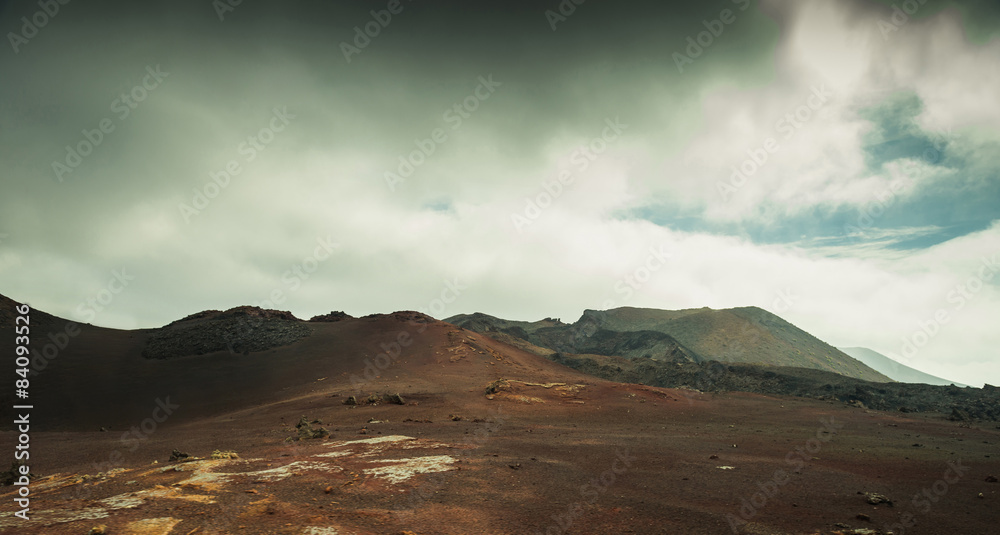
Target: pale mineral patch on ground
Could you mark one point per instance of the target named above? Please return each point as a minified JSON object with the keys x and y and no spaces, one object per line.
{"x":59,"y":516}
{"x":174,"y":494}
{"x":403,"y":469}
{"x":315,"y":530}
{"x":373,"y":440}
{"x":205,"y":479}
{"x":334,"y":454}
{"x":283,"y":472}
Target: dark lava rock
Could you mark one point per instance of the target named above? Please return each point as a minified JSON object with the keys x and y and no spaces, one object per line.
{"x":308,"y":431}
{"x":9,"y":476}
{"x":959,"y":415}
{"x":242,"y":330}
{"x":875,"y":498}
{"x":177,"y":455}
{"x":712,"y":376}
{"x":334,"y":316}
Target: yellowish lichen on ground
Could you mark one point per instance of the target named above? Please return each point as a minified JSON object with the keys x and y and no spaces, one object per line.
{"x":152,"y":526}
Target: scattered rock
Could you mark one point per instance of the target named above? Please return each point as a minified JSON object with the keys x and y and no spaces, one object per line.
{"x":351,"y":400}
{"x":454,"y":417}
{"x":11,"y":475}
{"x":862,"y":516}
{"x":875,"y":498}
{"x":497,"y":386}
{"x":991,"y":479}
{"x":228,"y":454}
{"x":515,"y":466}
{"x":959,"y":415}
{"x":395,"y":399}
{"x":178,"y":456}
{"x":334,"y":316}
{"x":328,"y":490}
{"x":308,"y":431}
{"x":713,"y":456}
{"x":98,"y":530}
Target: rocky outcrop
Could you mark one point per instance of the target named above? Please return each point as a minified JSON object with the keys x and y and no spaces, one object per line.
{"x":334,"y":316}
{"x":241,"y":330}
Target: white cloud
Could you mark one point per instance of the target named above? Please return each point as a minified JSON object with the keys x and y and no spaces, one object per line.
{"x":324,"y":177}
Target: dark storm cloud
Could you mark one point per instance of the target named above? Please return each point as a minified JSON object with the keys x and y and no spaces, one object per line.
{"x":685,"y":82}
{"x":226,"y":76}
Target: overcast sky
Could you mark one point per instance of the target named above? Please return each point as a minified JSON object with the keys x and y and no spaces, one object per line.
{"x":833,"y":162}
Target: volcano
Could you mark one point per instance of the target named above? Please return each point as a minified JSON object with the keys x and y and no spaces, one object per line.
{"x":255,"y":421}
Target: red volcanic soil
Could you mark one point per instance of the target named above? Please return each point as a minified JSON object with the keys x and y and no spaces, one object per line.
{"x":552,"y":451}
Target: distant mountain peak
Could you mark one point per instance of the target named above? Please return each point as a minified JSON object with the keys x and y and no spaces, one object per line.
{"x":894,"y":369}
{"x":750,"y":335}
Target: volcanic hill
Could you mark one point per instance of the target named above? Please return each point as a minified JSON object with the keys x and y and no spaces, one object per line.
{"x":402,"y":424}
